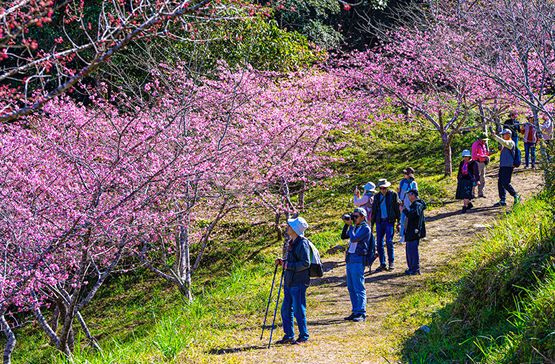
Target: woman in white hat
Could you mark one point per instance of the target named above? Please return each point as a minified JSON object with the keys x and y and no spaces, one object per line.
{"x":367,"y":199}
{"x":467,"y":177}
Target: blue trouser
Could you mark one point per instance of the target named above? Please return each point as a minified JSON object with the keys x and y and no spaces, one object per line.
{"x":515,"y":139}
{"x":402,"y":231}
{"x":294,"y":303}
{"x":529,"y":148}
{"x":504,"y":182}
{"x":385,"y":228}
{"x":413,"y":259}
{"x":355,"y":283}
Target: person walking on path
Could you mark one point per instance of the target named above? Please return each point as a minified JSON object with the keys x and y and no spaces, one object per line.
{"x":530,"y":141}
{"x":468,"y":177}
{"x":296,"y":281}
{"x":513,"y":126}
{"x":385,"y":212}
{"x":358,"y":232}
{"x":415,"y":230}
{"x":480,"y":155}
{"x":406,"y":184}
{"x":506,"y":167}
{"x":367,"y":199}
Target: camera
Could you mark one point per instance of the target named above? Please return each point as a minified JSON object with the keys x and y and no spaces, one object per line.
{"x":347,"y":217}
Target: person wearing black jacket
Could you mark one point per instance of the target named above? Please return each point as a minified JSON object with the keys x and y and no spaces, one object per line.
{"x":512,"y":124}
{"x":385,"y":212}
{"x":415,"y":230}
{"x":360,"y":241}
{"x":295,"y":282}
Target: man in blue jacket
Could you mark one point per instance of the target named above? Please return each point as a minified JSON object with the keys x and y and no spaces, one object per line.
{"x":296,"y":280}
{"x":358,"y":232}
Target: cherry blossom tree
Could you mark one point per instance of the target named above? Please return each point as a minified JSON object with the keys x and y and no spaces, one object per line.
{"x":35,"y":69}
{"x":411,"y":70}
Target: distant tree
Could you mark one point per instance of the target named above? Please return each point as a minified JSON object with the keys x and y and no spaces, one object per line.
{"x":411,"y":70}
{"x":506,"y":43}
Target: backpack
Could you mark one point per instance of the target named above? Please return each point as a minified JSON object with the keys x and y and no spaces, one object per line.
{"x":316,"y":268}
{"x":371,"y":255}
{"x":517,"y":157}
{"x":368,"y":206}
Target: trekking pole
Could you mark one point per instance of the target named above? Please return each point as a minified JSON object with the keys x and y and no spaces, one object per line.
{"x":275,"y":312}
{"x":269,"y":299}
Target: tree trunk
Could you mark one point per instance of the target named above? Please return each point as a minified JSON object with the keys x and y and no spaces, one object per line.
{"x":277,"y":221}
{"x":185,"y":272}
{"x":10,"y":340}
{"x":447,"y":155}
{"x":286,"y":236}
{"x":92,"y":340}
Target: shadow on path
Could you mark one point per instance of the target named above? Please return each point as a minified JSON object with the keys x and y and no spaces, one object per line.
{"x":237,"y":350}
{"x":458,"y":212}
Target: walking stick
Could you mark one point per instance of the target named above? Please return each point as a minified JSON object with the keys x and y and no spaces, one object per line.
{"x":275,"y":312}
{"x":268,"y":306}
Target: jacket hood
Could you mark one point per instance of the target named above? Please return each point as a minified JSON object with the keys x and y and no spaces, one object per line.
{"x":419,"y":201}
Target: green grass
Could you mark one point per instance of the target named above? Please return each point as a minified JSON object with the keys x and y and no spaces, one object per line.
{"x":139,"y":318}
{"x":496,"y":305}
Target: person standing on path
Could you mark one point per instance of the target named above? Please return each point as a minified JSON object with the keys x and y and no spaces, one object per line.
{"x":530,"y":141}
{"x":506,"y":167}
{"x":480,"y":155}
{"x":468,"y":177}
{"x":406,"y":184}
{"x":415,"y":230}
{"x":295,"y":282}
{"x":385,"y":212}
{"x":358,"y":232}
{"x":513,"y":126}
{"x":367,"y":199}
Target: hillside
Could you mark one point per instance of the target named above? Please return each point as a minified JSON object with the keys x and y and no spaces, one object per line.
{"x":142,"y":319}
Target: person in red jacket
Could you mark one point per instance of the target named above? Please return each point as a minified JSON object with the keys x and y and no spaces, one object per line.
{"x":530,"y":141}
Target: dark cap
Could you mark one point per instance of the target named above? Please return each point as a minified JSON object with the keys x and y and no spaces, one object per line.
{"x":414,"y":191}
{"x":409,"y":171}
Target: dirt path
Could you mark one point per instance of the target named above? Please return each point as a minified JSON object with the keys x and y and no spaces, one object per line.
{"x":333,"y":340}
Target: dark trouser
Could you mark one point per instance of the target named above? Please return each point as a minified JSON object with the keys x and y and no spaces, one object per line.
{"x":413,"y":259}
{"x":515,"y":139}
{"x":504,"y":182}
{"x":385,"y":229}
{"x":530,"y":148}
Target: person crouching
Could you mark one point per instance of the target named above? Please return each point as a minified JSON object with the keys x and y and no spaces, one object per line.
{"x":296,"y":281}
{"x":358,"y":232}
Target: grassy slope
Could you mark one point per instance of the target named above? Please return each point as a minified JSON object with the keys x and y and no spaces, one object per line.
{"x":496,"y":304}
{"x":142,"y":319}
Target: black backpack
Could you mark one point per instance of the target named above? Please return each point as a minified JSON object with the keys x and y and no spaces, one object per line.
{"x":517,"y":157}
{"x":371,"y":255}
{"x":316,"y":269}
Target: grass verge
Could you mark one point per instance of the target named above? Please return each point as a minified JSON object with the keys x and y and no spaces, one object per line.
{"x":496,"y":305}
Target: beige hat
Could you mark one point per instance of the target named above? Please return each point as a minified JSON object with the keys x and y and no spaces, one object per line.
{"x":383,"y":183}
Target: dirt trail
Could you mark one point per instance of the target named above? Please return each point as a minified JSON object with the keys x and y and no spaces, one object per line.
{"x":333,"y":340}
